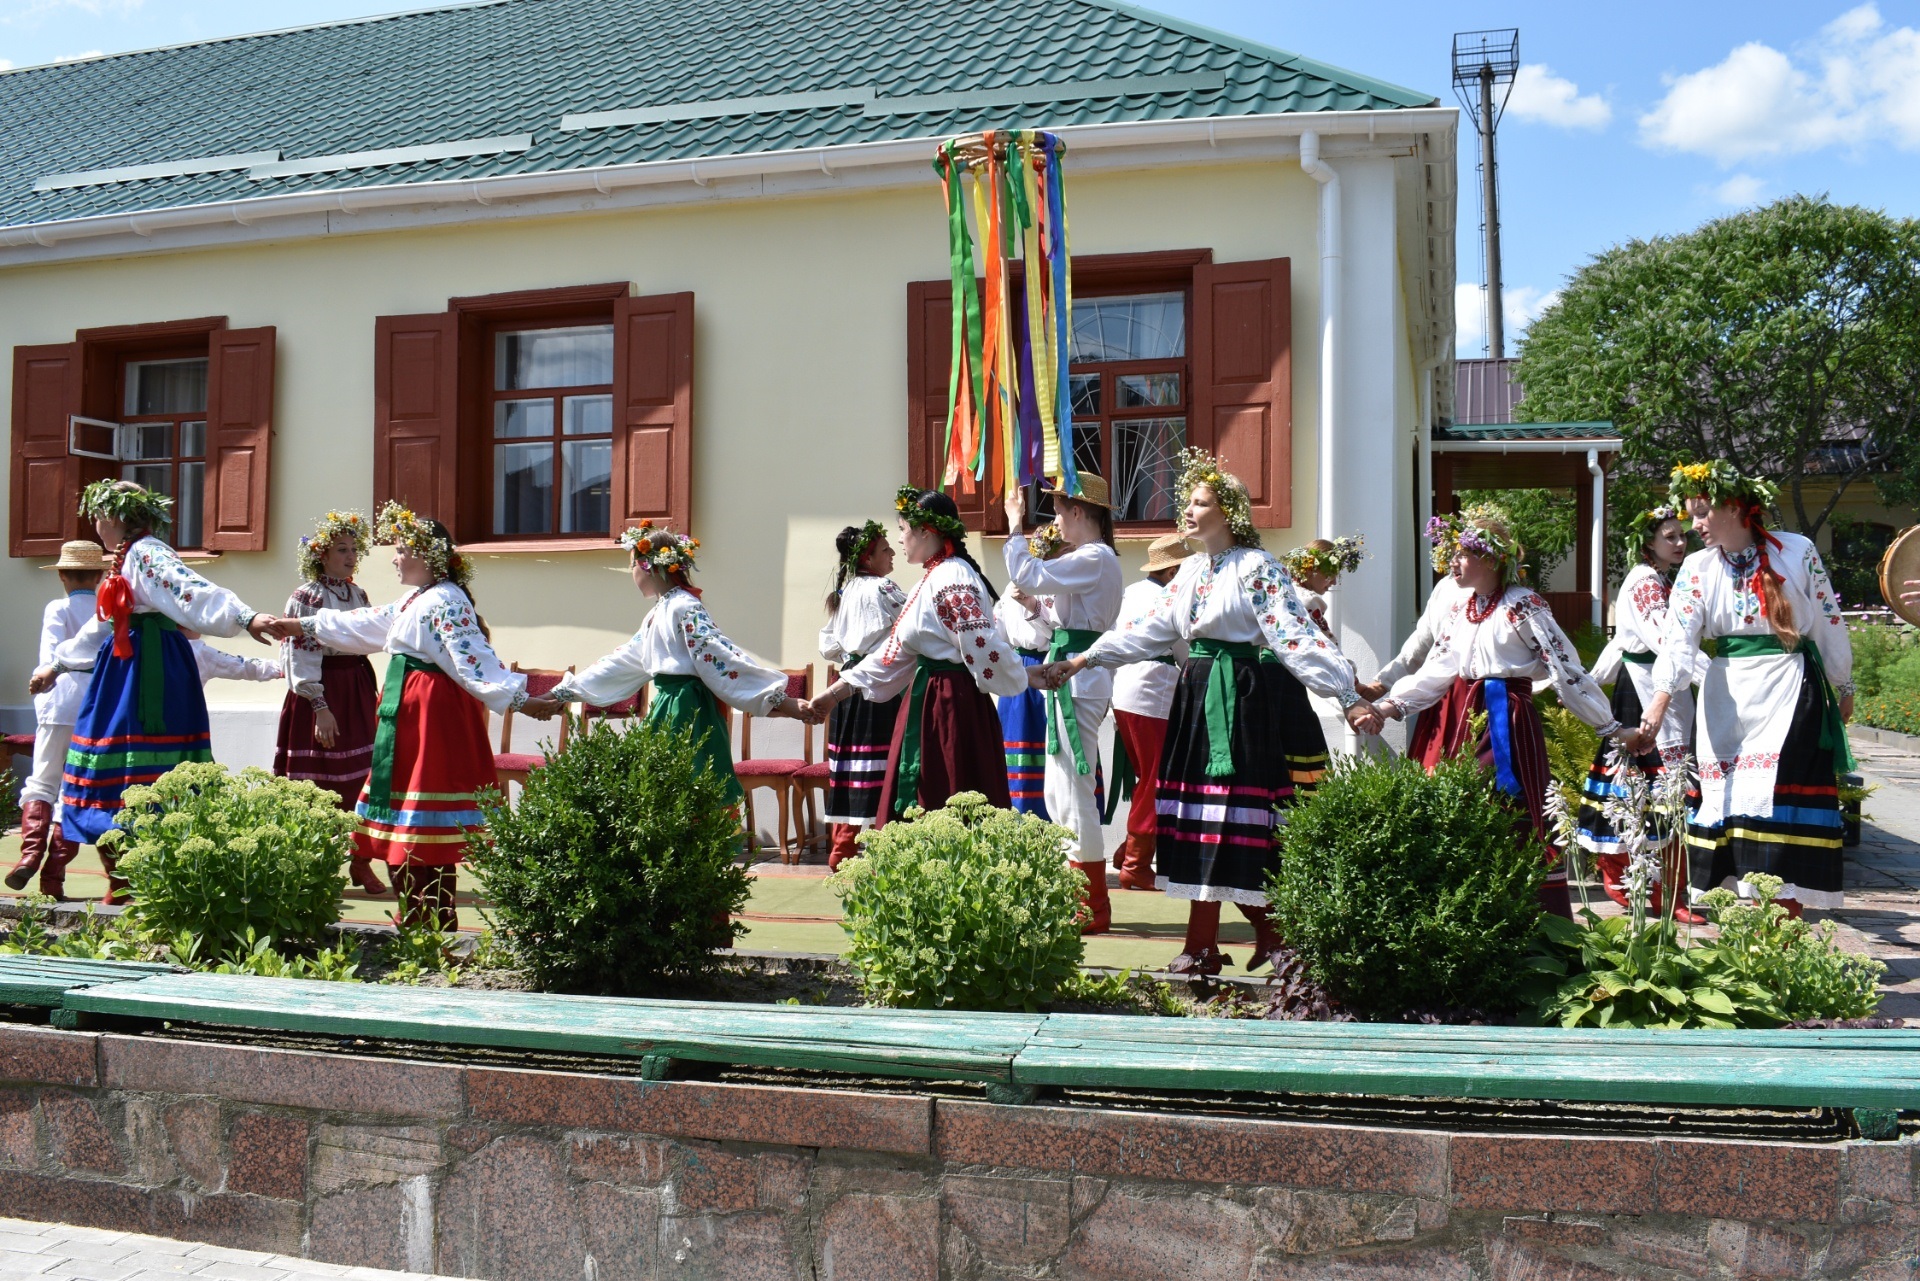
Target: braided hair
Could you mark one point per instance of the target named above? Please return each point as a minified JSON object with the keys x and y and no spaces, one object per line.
{"x":844,"y":545}
{"x":1774,"y":604}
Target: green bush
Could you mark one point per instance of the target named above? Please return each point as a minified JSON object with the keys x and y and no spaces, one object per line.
{"x":968,"y":907}
{"x":1404,"y":890}
{"x":1884,"y":657}
{"x":9,"y":799}
{"x":616,"y":868}
{"x":222,"y":856}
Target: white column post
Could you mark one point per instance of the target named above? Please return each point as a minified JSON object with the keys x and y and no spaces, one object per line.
{"x":1598,"y":536}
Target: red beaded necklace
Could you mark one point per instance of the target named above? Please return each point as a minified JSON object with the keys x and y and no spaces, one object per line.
{"x":1477,"y":615}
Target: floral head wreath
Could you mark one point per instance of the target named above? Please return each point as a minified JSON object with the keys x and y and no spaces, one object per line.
{"x":1342,"y":558}
{"x":130,"y":504}
{"x":1718,"y":482}
{"x":1469,"y":532}
{"x":870,"y":533}
{"x":661,"y":550}
{"x":333,"y":525}
{"x":906,"y":501}
{"x":1644,"y":525}
{"x":1197,"y":468}
{"x":399,"y":527}
{"x":1045,"y":542}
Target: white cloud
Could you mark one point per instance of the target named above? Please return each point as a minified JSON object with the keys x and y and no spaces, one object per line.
{"x":1521,"y":305}
{"x":6,"y":64}
{"x":1542,"y":97}
{"x":1741,"y":190}
{"x":1856,"y":82}
{"x":76,"y":57}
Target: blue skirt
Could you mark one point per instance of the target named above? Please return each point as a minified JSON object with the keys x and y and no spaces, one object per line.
{"x":112,"y":751}
{"x":1023,"y":724}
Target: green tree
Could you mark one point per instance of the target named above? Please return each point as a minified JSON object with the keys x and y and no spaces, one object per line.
{"x":1784,"y":339}
{"x":1542,"y":521}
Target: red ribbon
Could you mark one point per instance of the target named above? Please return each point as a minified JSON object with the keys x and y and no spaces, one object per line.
{"x":115,"y":605}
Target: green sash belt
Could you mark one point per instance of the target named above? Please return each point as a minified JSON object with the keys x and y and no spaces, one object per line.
{"x":1644,"y":657}
{"x":1067,"y":641}
{"x":1168,"y":659}
{"x":1221,"y":689}
{"x":380,"y":779}
{"x":149,"y":672}
{"x":1833,"y":726}
{"x":684,"y":702}
{"x":906,"y":783}
{"x":1037,"y":655}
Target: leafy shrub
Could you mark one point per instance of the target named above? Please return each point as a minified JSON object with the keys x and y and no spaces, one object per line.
{"x":94,"y":938}
{"x":617,"y":866}
{"x":223,"y":856}
{"x":9,"y":799}
{"x":1405,"y":890}
{"x":968,"y":907}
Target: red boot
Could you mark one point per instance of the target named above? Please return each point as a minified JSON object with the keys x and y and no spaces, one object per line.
{"x":846,"y":845}
{"x":1135,"y":861}
{"x":1099,"y":906}
{"x":1202,"y":954}
{"x":53,"y":871}
{"x":360,"y":872}
{"x":1612,"y":868}
{"x":36,"y":818}
{"x":1266,"y":940}
{"x":1675,"y":874}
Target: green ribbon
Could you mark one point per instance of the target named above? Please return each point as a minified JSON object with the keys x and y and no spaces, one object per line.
{"x":1125,"y":778}
{"x":906,"y":783}
{"x":1643,"y":657}
{"x":684,"y":702}
{"x":1833,"y":726}
{"x":1221,"y":689}
{"x":1066,"y":641}
{"x":149,"y":672}
{"x":380,"y":778}
{"x":967,"y":323}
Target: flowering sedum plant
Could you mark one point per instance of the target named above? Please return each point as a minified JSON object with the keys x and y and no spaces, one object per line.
{"x":221,"y":856}
{"x":970,"y":907}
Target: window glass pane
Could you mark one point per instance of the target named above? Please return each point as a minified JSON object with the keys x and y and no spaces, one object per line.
{"x":150,"y":440}
{"x":167,"y":386}
{"x":1085,"y":389}
{"x":193,"y":440}
{"x":159,"y":479}
{"x":1133,"y":327}
{"x":1146,"y":453}
{"x":1086,"y":457}
{"x":523,"y":489}
{"x":578,"y":357}
{"x":588,"y":415}
{"x":1139,"y":391}
{"x":586,"y":493}
{"x":187,"y":512}
{"x":522,"y":418}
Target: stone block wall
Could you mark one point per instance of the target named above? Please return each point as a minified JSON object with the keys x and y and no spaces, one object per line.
{"x":526,"y":1175}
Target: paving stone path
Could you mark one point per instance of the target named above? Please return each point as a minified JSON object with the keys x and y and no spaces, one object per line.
{"x":42,"y":1251}
{"x":1882,"y":915}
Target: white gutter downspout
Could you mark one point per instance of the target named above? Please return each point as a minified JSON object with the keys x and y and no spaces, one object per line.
{"x":1330,"y":290}
{"x":1599,"y":534}
{"x":1425,"y":468}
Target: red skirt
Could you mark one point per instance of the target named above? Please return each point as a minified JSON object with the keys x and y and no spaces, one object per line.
{"x":960,"y":745}
{"x":441,"y":760}
{"x":355,"y":703}
{"x":1443,"y":731}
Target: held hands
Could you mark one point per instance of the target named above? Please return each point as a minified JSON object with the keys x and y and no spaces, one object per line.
{"x":540,"y":709}
{"x":800,"y":709}
{"x":261,"y":628}
{"x":326,"y":730}
{"x":42,"y":679}
{"x":1365,"y":718}
{"x":281,"y":628}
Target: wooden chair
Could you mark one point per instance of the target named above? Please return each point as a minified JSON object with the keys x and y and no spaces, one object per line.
{"x":510,"y":766}
{"x":774,"y":773}
{"x":632,"y":708}
{"x":810,"y":779}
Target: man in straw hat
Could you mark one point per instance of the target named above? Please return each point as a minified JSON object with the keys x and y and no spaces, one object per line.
{"x":42,"y":848}
{"x":1142,"y":696}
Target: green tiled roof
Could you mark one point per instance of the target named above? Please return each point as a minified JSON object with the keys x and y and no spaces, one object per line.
{"x":1526,"y":431}
{"x":503,"y":68}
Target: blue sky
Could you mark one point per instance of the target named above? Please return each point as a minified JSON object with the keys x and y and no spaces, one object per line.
{"x":1633,"y":118}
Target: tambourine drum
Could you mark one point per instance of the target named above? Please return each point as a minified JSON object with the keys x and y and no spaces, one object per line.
{"x":1900,"y":565}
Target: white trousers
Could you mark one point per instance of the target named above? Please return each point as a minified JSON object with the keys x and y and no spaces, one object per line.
{"x":1070,"y":797}
{"x":49,"y":763}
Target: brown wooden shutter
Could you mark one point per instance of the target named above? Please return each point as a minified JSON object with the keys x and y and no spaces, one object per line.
{"x":239,"y":438}
{"x":46,"y":390}
{"x":929,"y":369}
{"x":416,"y":418}
{"x":653,"y":411}
{"x":1243,"y":378}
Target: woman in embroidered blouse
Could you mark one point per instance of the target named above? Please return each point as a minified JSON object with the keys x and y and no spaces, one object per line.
{"x":144,"y":710}
{"x":1770,"y":730}
{"x":1249,"y":640}
{"x":949,"y":656}
{"x":331,"y":710}
{"x":685,"y":655}
{"x":1658,"y":541}
{"x":860,"y":612}
{"x":431,"y":754}
{"x":1082,"y":585}
{"x":1496,"y":640}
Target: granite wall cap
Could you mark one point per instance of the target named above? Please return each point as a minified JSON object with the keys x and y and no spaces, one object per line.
{"x":283,"y":1078}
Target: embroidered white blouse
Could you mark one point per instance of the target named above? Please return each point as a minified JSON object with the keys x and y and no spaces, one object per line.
{"x":61,"y":622}
{"x":678,"y":638}
{"x":1146,"y":688}
{"x":1028,"y":629}
{"x":302,"y":658}
{"x":162,"y":584}
{"x":868,"y":605}
{"x":1713,"y":597}
{"x":437,"y":625}
{"x":1517,"y":638}
{"x":1082,"y":588}
{"x":1240,"y":595}
{"x":1440,"y":602}
{"x":218,"y":664}
{"x":948,"y":618}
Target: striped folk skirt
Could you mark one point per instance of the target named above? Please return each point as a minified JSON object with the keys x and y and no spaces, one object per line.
{"x":1596,"y":832}
{"x":113,"y":748}
{"x":441,"y":759}
{"x":354,"y":700}
{"x":1216,"y":837}
{"x":858,"y":735}
{"x":1023,"y":728}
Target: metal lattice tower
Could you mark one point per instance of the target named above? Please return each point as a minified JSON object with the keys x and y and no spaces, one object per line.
{"x":1482,"y":62}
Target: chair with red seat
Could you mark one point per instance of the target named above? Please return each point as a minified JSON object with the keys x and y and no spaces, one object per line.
{"x":774,"y":773}
{"x":631,"y":708}
{"x":510,"y":766}
{"x":811,"y":778}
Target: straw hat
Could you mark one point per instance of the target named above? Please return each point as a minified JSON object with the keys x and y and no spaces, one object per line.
{"x":81,"y":554}
{"x":1166,"y":552}
{"x":1093,"y":489}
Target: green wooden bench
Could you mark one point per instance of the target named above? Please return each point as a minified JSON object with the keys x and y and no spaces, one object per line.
{"x":44,"y":980}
